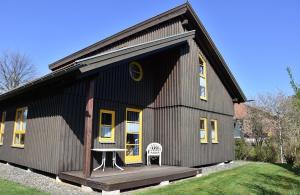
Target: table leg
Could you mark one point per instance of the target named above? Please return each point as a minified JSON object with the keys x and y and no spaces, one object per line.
{"x":115,"y":161}
{"x":104,"y":157}
{"x":102,"y":163}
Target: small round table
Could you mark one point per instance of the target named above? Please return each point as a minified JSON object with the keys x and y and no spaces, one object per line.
{"x":114,"y":159}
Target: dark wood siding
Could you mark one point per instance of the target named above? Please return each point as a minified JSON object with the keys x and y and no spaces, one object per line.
{"x":115,"y":90}
{"x":41,"y":149}
{"x":195,"y":153}
{"x":218,"y":106}
{"x":167,"y":95}
{"x":218,"y":99}
{"x":168,"y":134}
{"x":162,"y":30}
{"x":72,"y":129}
{"x":158,"y":88}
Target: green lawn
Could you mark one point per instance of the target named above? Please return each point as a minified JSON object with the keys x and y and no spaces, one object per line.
{"x":253,"y":178}
{"x":11,"y":188}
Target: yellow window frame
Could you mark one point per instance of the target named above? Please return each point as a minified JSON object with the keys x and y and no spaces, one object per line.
{"x":19,"y":131}
{"x":138,"y":158}
{"x":107,"y":139}
{"x":203,"y":75}
{"x":2,"y":127}
{"x":138,"y":65}
{"x":216,"y":131}
{"x":204,"y":140}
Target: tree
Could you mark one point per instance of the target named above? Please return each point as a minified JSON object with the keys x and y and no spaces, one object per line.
{"x":286,"y":122}
{"x":295,"y":87}
{"x":259,"y":126}
{"x":254,"y":121}
{"x":294,"y":118}
{"x":276,"y":105}
{"x":15,"y":69}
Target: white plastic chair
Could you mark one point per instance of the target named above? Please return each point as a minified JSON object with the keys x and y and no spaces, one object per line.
{"x":153,"y":150}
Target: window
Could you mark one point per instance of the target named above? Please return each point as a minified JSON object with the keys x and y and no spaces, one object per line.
{"x":133,"y":135}
{"x":135,"y":71}
{"x":203,"y":130}
{"x":2,"y":126}
{"x":107,"y":126}
{"x":202,"y":78}
{"x":20,"y":127}
{"x":214,"y":131}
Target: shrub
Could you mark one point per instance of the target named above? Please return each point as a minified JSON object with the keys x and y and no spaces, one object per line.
{"x":290,"y":159}
{"x":252,"y":154}
{"x":241,"y":149}
{"x":266,"y":153}
{"x":269,"y":152}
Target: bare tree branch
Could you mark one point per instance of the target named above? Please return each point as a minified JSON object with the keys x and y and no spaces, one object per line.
{"x":15,"y":69}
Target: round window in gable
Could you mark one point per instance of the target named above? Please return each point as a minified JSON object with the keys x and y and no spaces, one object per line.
{"x":135,"y":71}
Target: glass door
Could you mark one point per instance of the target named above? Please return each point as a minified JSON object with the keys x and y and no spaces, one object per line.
{"x":133,"y":136}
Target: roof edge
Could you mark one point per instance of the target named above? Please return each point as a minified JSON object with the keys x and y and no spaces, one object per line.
{"x":181,"y":9}
{"x":220,"y":57}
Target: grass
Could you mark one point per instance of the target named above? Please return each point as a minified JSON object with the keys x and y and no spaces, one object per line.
{"x":12,"y":188}
{"x":253,"y":178}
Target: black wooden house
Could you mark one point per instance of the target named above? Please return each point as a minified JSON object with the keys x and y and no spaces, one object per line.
{"x":162,"y":80}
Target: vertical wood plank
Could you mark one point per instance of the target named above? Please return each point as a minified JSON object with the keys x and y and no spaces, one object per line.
{"x":88,"y":128}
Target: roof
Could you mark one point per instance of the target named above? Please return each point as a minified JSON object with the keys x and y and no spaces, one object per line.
{"x":177,"y":11}
{"x":97,"y":61}
{"x":202,"y":36}
{"x":148,"y":48}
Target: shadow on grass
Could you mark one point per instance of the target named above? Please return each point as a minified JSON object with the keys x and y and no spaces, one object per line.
{"x":258,"y":189}
{"x":289,"y":168}
{"x":272,"y":184}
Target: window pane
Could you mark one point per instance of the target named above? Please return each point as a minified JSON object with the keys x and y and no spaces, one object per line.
{"x":202,"y":81}
{"x":133,"y":116}
{"x":135,"y":71}
{"x":202,"y":91}
{"x":200,"y":61}
{"x":133,"y":127}
{"x":2,"y":126}
{"x":201,"y":69}
{"x":17,"y":139}
{"x":22,"y":139}
{"x":136,"y":75}
{"x":132,"y":138}
{"x":18,"y":125}
{"x":202,"y":134}
{"x":213,"y":134}
{"x":18,"y":120}
{"x":212,"y":124}
{"x":19,"y":114}
{"x":106,"y":119}
{"x":202,"y":126}
{"x":25,"y":111}
{"x":24,"y":125}
{"x":106,"y":131}
{"x":202,"y":85}
{"x":132,"y":150}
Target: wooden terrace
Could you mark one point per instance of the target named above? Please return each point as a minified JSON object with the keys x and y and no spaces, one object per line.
{"x":132,"y":177}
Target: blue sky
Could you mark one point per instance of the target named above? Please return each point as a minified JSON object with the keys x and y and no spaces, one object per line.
{"x":257,"y":39}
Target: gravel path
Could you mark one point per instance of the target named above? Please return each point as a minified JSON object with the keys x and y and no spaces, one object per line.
{"x":215,"y":168}
{"x":39,"y":181}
